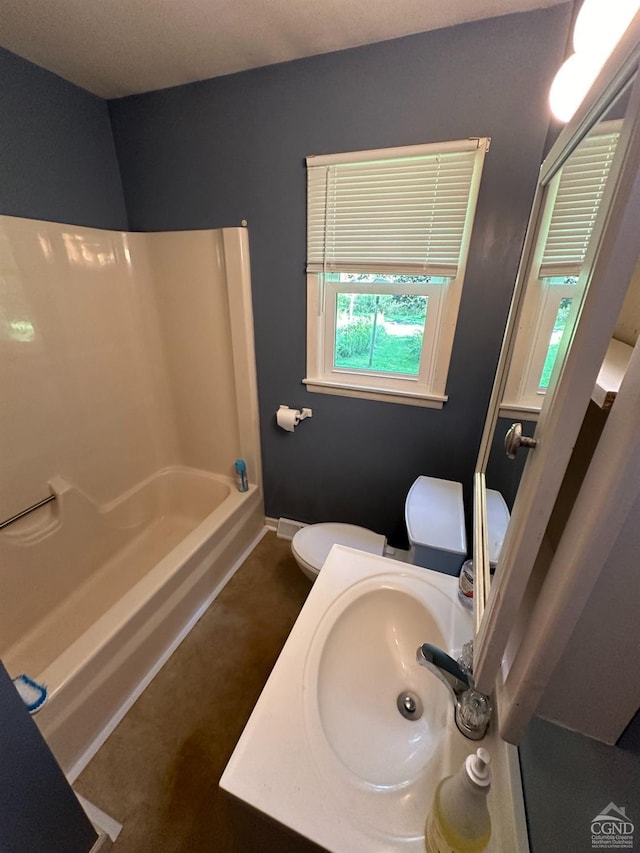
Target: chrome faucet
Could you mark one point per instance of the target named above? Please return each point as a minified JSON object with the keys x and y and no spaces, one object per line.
{"x":473,"y":709}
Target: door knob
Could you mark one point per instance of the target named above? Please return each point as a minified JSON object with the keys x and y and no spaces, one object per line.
{"x":514,"y":440}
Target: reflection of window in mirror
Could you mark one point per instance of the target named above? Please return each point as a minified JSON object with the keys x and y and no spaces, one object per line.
{"x":571,"y":206}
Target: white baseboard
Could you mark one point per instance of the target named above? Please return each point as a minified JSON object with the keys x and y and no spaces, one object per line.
{"x":284,"y":528}
{"x":102,"y":844}
{"x":287,"y":528}
{"x":103,"y":823}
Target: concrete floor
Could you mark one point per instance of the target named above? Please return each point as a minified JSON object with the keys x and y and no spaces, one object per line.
{"x":158,"y":772}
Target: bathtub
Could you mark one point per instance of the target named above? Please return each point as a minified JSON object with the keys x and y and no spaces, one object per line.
{"x":113,"y":589}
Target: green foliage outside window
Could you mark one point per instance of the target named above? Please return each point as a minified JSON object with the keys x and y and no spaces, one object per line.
{"x":380,"y":332}
{"x":554,"y":342}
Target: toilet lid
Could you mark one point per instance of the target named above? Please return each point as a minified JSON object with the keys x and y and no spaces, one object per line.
{"x":313,"y":543}
{"x":434,"y":513}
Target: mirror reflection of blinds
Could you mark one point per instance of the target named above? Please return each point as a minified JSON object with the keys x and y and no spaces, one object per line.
{"x":394,"y":214}
{"x":580,"y":190}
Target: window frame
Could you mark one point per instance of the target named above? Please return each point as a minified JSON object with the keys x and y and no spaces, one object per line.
{"x":428,"y":387}
{"x":522,"y":394}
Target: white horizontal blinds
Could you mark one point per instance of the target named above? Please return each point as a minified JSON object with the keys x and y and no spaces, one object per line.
{"x":393,"y":214}
{"x":580,"y":190}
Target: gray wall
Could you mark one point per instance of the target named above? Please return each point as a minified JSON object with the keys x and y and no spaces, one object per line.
{"x":568,"y":779}
{"x":57,"y":158}
{"x":212,"y":153}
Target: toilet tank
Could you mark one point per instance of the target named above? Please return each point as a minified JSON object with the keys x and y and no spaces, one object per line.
{"x":434,"y":514}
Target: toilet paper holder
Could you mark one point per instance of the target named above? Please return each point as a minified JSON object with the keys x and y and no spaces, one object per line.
{"x":288,"y":418}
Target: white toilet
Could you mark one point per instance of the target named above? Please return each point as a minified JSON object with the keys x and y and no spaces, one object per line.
{"x":434,"y":514}
{"x":311,"y":544}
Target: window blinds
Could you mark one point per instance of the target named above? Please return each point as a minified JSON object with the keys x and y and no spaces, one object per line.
{"x":392,"y":212}
{"x":580,"y":190}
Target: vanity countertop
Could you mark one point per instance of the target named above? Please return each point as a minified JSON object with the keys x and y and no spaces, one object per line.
{"x":283,"y":765}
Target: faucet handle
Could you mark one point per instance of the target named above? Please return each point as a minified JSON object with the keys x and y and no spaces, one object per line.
{"x":473,"y":713}
{"x":465,"y":661}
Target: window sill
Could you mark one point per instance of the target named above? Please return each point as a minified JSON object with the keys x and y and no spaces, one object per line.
{"x":518,"y":410}
{"x":321,"y":386}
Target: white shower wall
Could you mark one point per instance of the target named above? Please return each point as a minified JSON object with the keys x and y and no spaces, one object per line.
{"x":117,"y":353}
{"x":194,"y":318}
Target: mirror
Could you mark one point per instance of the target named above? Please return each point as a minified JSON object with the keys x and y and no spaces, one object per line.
{"x":568,"y":216}
{"x":552,"y":298}
{"x":578,"y":265}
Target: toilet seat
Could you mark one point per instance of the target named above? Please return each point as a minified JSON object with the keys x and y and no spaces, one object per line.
{"x":311,"y":544}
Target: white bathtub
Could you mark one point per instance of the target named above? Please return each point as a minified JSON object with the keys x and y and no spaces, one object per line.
{"x":112,"y":591}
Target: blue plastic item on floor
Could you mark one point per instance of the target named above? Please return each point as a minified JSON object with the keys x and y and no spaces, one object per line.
{"x":33,"y":694}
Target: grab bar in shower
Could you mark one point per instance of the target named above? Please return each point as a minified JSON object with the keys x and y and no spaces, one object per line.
{"x":26,"y":511}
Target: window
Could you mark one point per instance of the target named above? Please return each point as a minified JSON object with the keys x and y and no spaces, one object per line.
{"x":388,"y":235}
{"x":571,"y":207}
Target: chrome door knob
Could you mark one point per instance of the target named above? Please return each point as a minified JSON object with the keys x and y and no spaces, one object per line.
{"x":514,"y":440}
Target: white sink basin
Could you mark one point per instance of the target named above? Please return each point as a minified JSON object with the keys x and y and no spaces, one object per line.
{"x":362,"y":657}
{"x":326,"y":751}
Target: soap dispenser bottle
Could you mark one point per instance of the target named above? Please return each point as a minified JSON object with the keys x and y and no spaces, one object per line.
{"x":459,"y":820}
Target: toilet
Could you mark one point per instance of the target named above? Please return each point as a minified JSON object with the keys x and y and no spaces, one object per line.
{"x":434,"y":515}
{"x":311,"y":544}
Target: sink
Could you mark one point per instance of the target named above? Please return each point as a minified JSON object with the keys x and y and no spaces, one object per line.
{"x":362,"y":658}
{"x":327,"y":751}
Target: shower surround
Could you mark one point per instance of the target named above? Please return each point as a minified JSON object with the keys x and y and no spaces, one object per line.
{"x":128,"y":389}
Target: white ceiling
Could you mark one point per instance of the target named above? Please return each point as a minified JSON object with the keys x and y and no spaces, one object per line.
{"x":121,"y":47}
